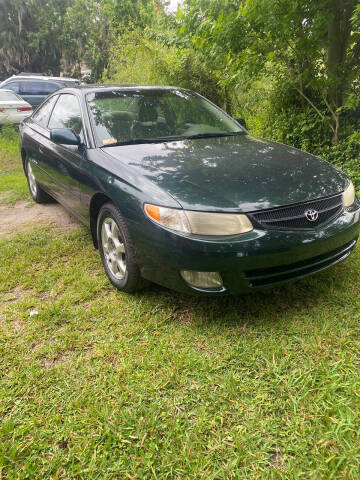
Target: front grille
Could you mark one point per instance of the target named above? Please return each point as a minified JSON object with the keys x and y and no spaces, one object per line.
{"x":261,"y":277}
{"x":294,"y":217}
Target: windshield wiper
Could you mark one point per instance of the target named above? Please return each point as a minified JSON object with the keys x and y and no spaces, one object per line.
{"x":135,"y":141}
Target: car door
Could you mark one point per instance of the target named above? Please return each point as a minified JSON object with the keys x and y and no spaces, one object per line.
{"x":38,"y":142}
{"x":66,"y":164}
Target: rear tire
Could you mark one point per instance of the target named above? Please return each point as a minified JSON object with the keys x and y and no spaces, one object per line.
{"x":117,"y":250}
{"x":37,"y":193}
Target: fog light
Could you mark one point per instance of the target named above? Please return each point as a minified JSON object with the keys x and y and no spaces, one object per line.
{"x":202,"y":279}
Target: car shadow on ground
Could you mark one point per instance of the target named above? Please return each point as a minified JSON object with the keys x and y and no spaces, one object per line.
{"x":263,"y":307}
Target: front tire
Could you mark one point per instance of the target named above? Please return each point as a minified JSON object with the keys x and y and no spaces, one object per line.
{"x":37,"y":193}
{"x":117,"y":250}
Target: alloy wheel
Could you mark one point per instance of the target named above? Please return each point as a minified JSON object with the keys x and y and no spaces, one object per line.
{"x":32,"y":180}
{"x":114,"y":248}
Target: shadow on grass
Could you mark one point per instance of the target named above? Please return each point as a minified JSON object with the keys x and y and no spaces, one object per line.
{"x":262,"y":307}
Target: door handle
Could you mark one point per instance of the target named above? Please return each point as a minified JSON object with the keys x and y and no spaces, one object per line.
{"x":41,"y":151}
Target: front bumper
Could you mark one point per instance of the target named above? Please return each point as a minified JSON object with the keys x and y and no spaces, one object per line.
{"x":247,"y":262}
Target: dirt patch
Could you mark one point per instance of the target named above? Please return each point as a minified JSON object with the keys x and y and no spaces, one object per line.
{"x":203,"y":348}
{"x":17,"y":326}
{"x":4,"y":195}
{"x":23,"y":215}
{"x":277,"y":460}
{"x":51,"y":362}
{"x":183,"y":315}
{"x":14,"y":294}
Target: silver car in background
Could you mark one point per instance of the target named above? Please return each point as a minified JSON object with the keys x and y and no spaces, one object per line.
{"x":35,"y":88}
{"x":13,"y":109}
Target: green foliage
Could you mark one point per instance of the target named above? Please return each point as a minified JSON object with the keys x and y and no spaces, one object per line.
{"x":86,"y":41}
{"x":312,"y":47}
{"x":133,"y":58}
{"x":133,"y":13}
{"x":29,"y":35}
{"x":345,"y":155}
{"x":49,"y":36}
{"x":304,"y":129}
{"x":9,"y":133}
{"x":140,"y":57}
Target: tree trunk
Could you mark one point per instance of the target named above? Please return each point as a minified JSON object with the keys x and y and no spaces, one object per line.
{"x":339,"y":32}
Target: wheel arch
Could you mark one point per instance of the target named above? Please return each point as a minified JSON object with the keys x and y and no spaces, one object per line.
{"x":23,"y":158}
{"x":97,"y":201}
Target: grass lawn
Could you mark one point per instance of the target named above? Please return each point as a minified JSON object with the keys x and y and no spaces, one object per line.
{"x":158,"y":385}
{"x":13,"y":186}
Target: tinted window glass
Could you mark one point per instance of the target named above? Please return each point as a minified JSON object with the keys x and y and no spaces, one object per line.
{"x":14,"y":86}
{"x":33,"y":87}
{"x":9,"y":97}
{"x":67,"y":114}
{"x":41,"y":116}
{"x":50,"y":87}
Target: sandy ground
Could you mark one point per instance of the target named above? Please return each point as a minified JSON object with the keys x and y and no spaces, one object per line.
{"x":23,"y":215}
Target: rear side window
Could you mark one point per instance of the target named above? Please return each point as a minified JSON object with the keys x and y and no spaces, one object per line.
{"x":67,"y":114}
{"x":32,"y":87}
{"x":14,"y":86}
{"x":41,"y":116}
{"x":50,"y":87}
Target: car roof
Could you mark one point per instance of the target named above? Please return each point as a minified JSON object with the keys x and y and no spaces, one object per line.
{"x":41,"y":77}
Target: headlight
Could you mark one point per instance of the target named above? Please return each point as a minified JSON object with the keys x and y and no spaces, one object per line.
{"x":349,"y":195}
{"x":199,"y":223}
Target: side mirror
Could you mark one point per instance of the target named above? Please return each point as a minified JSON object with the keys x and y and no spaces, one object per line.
{"x":242,"y":122}
{"x":64,"y":136}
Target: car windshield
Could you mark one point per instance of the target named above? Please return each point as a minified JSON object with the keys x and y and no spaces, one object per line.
{"x":146,"y":116}
{"x":8,"y":97}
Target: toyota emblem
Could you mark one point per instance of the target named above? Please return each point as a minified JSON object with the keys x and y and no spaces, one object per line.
{"x":312,"y":215}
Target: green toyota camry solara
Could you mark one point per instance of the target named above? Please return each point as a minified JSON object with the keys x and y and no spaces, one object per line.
{"x":177,"y":192}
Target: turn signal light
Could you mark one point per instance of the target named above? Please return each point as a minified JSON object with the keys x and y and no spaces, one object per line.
{"x":153,"y":211}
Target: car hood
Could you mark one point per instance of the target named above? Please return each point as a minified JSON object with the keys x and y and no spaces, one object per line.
{"x":237,"y":173}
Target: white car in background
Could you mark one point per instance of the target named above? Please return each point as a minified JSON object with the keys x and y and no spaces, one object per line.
{"x":13,"y":109}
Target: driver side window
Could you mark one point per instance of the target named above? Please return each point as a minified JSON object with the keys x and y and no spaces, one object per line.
{"x":67,"y":114}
